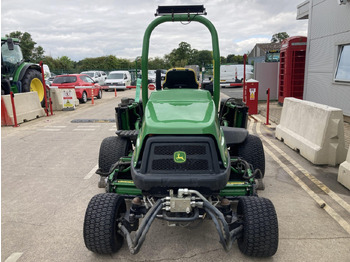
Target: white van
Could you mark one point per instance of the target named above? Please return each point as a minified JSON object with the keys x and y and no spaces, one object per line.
{"x":228,"y":74}
{"x":118,"y":80}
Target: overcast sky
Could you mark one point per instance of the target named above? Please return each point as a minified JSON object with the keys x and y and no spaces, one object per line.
{"x":85,"y":28}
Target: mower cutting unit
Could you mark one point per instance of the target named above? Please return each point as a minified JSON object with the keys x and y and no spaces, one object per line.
{"x":177,"y":157}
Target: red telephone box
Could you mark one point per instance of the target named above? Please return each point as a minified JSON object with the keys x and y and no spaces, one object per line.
{"x":292,"y":68}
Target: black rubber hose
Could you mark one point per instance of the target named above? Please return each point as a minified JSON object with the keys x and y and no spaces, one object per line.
{"x":144,"y":232}
{"x":136,"y":243}
{"x":206,"y":204}
{"x":218,"y":228}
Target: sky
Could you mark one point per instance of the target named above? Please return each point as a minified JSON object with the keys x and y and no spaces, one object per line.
{"x":84,"y":28}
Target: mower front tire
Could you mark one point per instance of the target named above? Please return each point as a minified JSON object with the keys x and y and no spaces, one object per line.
{"x":260,"y":227}
{"x":102,"y":216}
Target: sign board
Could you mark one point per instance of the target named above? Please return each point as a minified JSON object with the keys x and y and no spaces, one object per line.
{"x":68,"y":101}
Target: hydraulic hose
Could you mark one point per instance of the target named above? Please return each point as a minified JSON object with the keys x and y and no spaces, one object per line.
{"x":136,"y":243}
{"x":218,"y":229}
{"x":214,"y":211}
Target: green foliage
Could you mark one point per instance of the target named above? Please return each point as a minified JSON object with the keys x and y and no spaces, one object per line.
{"x":180,"y":56}
{"x":38,"y":54}
{"x":157,"y":63}
{"x":234,"y":59}
{"x":223,"y":60}
{"x":279,"y":37}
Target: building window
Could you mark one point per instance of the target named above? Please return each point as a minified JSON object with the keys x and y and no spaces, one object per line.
{"x":342,"y":72}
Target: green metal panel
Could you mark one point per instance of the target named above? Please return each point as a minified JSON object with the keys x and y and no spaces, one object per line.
{"x":18,"y":71}
{"x":127,"y":187}
{"x":183,"y":18}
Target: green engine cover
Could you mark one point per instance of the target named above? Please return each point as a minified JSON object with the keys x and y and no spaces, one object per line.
{"x":181,"y":112}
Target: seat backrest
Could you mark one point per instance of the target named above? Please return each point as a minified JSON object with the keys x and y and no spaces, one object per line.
{"x":180,"y":78}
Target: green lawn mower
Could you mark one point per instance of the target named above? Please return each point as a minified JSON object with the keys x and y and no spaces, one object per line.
{"x":181,"y":155}
{"x":16,"y":75}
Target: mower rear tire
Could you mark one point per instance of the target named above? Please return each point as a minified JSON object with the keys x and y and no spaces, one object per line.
{"x":102,"y":216}
{"x":260,"y":227}
{"x":111,"y":150}
{"x":252,"y":151}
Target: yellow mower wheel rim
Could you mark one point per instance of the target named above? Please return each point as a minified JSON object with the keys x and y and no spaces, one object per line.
{"x":37,"y":86}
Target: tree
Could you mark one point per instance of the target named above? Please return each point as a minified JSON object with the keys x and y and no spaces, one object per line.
{"x":179,"y":56}
{"x":38,"y":54}
{"x":279,"y":37}
{"x":230,"y":58}
{"x":223,"y":60}
{"x":234,"y":59}
{"x":66,"y":63}
{"x":30,"y":52}
{"x":204,"y":57}
{"x":157,"y":63}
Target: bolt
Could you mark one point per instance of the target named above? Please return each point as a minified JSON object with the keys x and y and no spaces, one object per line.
{"x":136,"y":201}
{"x":225,"y":202}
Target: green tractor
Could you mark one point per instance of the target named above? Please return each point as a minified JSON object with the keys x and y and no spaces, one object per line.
{"x":181,"y":155}
{"x":16,"y":75}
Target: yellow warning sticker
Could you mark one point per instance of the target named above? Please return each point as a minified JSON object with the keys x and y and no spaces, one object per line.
{"x":126,"y":181}
{"x":235,"y":183}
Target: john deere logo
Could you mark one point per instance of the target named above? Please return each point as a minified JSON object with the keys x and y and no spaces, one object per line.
{"x":180,"y":157}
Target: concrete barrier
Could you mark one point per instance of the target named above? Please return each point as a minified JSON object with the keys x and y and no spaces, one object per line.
{"x":315,"y":130}
{"x":344,"y":172}
{"x":57,"y":95}
{"x":27,"y":105}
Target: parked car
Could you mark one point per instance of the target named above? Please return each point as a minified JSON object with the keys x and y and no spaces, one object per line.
{"x":51,"y":78}
{"x":163,"y":73}
{"x":104,"y":76}
{"x":98,"y":76}
{"x":151,"y":76}
{"x":84,"y":86}
{"x":118,"y":80}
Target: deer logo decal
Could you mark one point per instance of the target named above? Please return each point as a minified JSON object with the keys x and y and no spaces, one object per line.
{"x":179,"y":157}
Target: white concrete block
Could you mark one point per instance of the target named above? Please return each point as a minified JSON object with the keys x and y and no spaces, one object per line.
{"x":57,"y":98}
{"x":315,"y":130}
{"x":344,"y":172}
{"x":27,"y":105}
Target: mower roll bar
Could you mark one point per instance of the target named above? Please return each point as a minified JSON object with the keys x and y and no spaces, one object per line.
{"x":181,"y":18}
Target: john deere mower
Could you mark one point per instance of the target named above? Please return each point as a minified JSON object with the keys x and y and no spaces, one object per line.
{"x":181,"y":155}
{"x":17,"y":75}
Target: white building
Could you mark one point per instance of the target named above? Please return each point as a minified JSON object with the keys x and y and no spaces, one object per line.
{"x":327,"y":68}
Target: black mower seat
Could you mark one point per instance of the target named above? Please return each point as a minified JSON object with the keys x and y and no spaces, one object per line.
{"x":234,"y":135}
{"x":180,"y":78}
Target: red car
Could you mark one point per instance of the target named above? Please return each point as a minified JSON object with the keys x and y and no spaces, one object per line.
{"x":83,"y":84}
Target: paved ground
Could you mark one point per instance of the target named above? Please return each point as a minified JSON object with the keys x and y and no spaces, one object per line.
{"x":48,"y":179}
